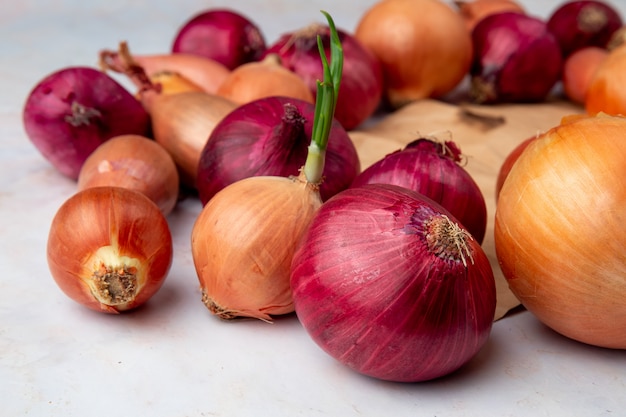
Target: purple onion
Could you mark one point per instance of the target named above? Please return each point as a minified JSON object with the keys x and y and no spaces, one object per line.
{"x":72,"y":111}
{"x":433,"y":169}
{"x":271,"y":136}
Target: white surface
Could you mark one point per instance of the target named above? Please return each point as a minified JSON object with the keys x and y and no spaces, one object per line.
{"x":172,"y":358}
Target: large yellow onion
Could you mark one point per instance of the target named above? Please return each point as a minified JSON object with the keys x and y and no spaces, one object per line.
{"x":560,"y":229}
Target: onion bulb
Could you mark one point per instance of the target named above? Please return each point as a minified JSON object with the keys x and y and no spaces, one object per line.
{"x":560,"y":231}
{"x":606,"y":91}
{"x":134,"y":162}
{"x":423,"y":46}
{"x":579,"y":69}
{"x":73,"y":110}
{"x":388,"y":283}
{"x":475,"y":10}
{"x":244,"y":238}
{"x":109,"y":248}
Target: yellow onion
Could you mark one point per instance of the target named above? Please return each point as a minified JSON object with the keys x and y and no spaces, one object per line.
{"x":560,"y":234}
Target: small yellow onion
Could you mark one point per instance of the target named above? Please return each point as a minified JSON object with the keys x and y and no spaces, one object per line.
{"x":134,"y":162}
{"x":243,"y":242}
{"x":560,"y":230}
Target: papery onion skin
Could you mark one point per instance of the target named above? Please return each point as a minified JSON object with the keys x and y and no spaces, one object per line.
{"x":369,"y":290}
{"x":137,"y":163}
{"x":224,"y":35}
{"x":73,"y":110}
{"x":559,"y":229}
{"x":580,"y":23}
{"x":250,"y":141}
{"x":361,"y":88}
{"x":516,"y":59}
{"x":433,"y":169}
{"x":243,"y":242}
{"x":109,"y":228}
{"x":423,"y":46}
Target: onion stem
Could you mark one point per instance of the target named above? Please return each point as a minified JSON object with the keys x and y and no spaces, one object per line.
{"x":325,"y":103}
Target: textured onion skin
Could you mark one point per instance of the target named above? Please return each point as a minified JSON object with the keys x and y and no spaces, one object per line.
{"x":560,"y":231}
{"x":66,"y":143}
{"x":516,"y":59}
{"x":433,"y":170}
{"x":224,"y":35}
{"x":248,"y":142}
{"x":361,"y":86}
{"x":580,"y":23}
{"x":371,"y":294}
{"x":122,"y":220}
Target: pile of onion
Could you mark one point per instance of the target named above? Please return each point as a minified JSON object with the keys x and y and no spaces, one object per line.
{"x":362,"y":80}
{"x":70,"y":112}
{"x":424,"y":47}
{"x":560,"y":233}
{"x":388,"y":283}
{"x":109,"y":248}
{"x":434,"y":169}
{"x":516,"y":59}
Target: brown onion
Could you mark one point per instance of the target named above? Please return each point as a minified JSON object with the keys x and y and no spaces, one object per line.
{"x":424,"y":47}
{"x":560,"y":231}
{"x":134,"y":162}
{"x":109,"y":248}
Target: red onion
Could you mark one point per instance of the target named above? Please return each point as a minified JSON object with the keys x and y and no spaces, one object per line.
{"x":223,"y":35}
{"x":271,"y":136}
{"x":580,"y":23}
{"x":433,"y":169}
{"x":73,"y":110}
{"x":516,"y":59}
{"x":388,"y":283}
{"x":362,"y":83}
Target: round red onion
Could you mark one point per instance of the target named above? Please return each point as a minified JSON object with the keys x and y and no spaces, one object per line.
{"x":516,"y":59}
{"x":73,"y":110}
{"x":580,"y":23}
{"x":388,"y":283}
{"x":223,"y":35}
{"x":271,"y":136}
{"x":433,"y":169}
{"x":361,"y":87}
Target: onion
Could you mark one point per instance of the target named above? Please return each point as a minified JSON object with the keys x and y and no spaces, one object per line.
{"x":559,"y":229}
{"x":173,"y":83}
{"x":433,"y":169}
{"x":182,"y":122}
{"x":202,"y":72}
{"x":244,"y":238}
{"x":73,"y":110}
{"x":475,"y":10}
{"x":516,"y":59}
{"x":508,"y":162}
{"x":606,"y":91}
{"x":580,"y":23}
{"x":109,"y":248}
{"x":134,"y":162}
{"x":223,"y":35}
{"x":388,"y":283}
{"x":579,"y":69}
{"x":264,"y":78}
{"x":362,"y":80}
{"x":424,"y":47}
{"x":271,"y":136}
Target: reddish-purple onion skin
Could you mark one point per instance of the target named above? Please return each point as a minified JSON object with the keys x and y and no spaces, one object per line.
{"x":70,"y":112}
{"x":433,"y":169}
{"x":580,"y":23}
{"x":223,"y":35}
{"x":516,"y":59}
{"x":258,"y":139}
{"x":361,"y":86}
{"x":370,"y":292}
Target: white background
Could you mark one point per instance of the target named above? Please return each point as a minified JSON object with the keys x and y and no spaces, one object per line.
{"x":172,"y":358}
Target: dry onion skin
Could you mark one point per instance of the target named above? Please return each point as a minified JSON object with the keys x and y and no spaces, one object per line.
{"x":424,"y":47}
{"x":134,"y":162}
{"x":560,"y":233}
{"x":109,"y":249}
